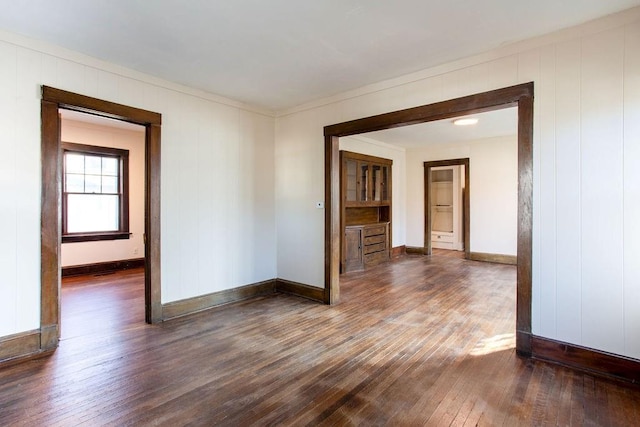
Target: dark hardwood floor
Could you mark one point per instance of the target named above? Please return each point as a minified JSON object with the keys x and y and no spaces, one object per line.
{"x":419,"y":341}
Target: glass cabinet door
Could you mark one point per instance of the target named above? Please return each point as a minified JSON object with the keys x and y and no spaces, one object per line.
{"x":363,"y":181}
{"x":379,"y":177}
{"x":384,"y":191}
{"x":352,"y":180}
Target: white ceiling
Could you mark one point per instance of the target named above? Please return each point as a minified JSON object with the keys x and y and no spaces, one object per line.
{"x":490,"y":124}
{"x":281,"y":53}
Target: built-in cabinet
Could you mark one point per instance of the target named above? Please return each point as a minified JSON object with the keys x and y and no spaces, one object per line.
{"x":365,"y":210}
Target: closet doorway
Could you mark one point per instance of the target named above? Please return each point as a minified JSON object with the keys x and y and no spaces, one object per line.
{"x":447,"y":205}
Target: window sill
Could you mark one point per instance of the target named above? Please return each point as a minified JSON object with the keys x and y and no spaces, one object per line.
{"x":94,"y":237}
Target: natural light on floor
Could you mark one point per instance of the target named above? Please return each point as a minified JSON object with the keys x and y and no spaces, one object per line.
{"x":494,"y":344}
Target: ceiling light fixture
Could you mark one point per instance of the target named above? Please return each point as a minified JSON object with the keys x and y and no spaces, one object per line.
{"x":466,"y":121}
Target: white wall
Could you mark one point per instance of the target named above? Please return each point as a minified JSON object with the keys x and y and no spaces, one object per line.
{"x":80,"y":253}
{"x":363,"y":145}
{"x":217,"y":207}
{"x":586,"y":238}
{"x":493,"y":163}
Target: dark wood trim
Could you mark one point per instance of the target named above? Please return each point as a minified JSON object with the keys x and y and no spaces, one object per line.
{"x":204,"y":302}
{"x":332,"y":239}
{"x":86,"y":104}
{"x":586,"y":359}
{"x":299,"y":289}
{"x":152,"y":241}
{"x":367,"y":158}
{"x":398,"y":251}
{"x":525,"y":217}
{"x":52,"y":100}
{"x":50,"y":217}
{"x":524,"y":338}
{"x":122,"y":156}
{"x":19,"y":346}
{"x":521,"y":96}
{"x":95,"y":237}
{"x":415,"y":250}
{"x":497,"y":258}
{"x":478,"y":103}
{"x":466,"y":202}
{"x":102,"y":267}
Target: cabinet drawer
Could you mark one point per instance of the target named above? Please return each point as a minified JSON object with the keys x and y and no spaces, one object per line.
{"x":441,"y":237}
{"x":375,"y":230}
{"x":376,"y":257}
{"x":374,"y":239}
{"x":368,"y":249}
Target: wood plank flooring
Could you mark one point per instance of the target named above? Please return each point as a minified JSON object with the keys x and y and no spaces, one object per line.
{"x":418,"y":341}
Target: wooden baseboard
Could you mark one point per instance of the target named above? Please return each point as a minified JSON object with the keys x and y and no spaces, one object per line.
{"x":497,"y":258}
{"x":19,"y":346}
{"x":398,"y":251}
{"x":203,"y":302}
{"x":102,"y":267}
{"x":419,"y":250}
{"x":586,"y":359}
{"x":299,"y":289}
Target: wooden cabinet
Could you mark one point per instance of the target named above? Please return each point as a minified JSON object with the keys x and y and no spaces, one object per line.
{"x":365,"y":210}
{"x":353,"y":256}
{"x":365,"y":181}
{"x":365,"y":245}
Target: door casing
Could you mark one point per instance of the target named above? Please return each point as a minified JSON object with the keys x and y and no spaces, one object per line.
{"x":520,"y":96}
{"x":51,"y":102}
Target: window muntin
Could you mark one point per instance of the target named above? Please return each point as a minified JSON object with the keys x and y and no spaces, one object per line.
{"x":95,"y":193}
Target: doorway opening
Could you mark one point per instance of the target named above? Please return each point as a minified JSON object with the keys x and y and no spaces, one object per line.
{"x":103,"y":174}
{"x":447,"y":214}
{"x":520,"y":96}
{"x":53,"y":100}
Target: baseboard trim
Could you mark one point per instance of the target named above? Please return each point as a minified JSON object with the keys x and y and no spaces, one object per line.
{"x":301,"y":290}
{"x":196,"y":304}
{"x":495,"y":258}
{"x":586,"y":359}
{"x":398,"y":251}
{"x":416,"y":250}
{"x":18,"y":347}
{"x":102,"y":267}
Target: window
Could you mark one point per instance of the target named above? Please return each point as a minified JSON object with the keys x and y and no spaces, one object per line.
{"x":95,"y":193}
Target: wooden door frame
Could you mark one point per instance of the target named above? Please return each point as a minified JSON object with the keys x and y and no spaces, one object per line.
{"x":51,"y":102}
{"x":466,"y":202}
{"x":520,"y":96}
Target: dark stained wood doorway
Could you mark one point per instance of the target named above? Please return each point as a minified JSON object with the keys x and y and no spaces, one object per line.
{"x":520,"y":96}
{"x":52,"y":101}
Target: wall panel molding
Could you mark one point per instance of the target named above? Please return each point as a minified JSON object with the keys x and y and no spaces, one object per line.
{"x":18,"y":347}
{"x":586,"y":359}
{"x":415,"y":250}
{"x":102,"y":267}
{"x":496,"y":258}
{"x":398,"y":251}
{"x":204,"y":302}
{"x":299,"y":289}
